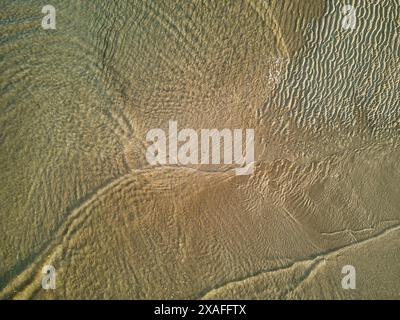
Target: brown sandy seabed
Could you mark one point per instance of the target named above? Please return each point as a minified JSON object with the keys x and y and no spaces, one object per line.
{"x":76,"y":191}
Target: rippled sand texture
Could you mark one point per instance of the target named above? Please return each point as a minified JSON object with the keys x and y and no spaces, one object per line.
{"x":76,"y":191}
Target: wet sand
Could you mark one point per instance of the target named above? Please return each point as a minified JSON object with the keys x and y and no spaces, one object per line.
{"x":78,"y":194}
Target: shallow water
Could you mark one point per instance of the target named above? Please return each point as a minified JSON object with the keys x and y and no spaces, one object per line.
{"x":78,"y":194}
